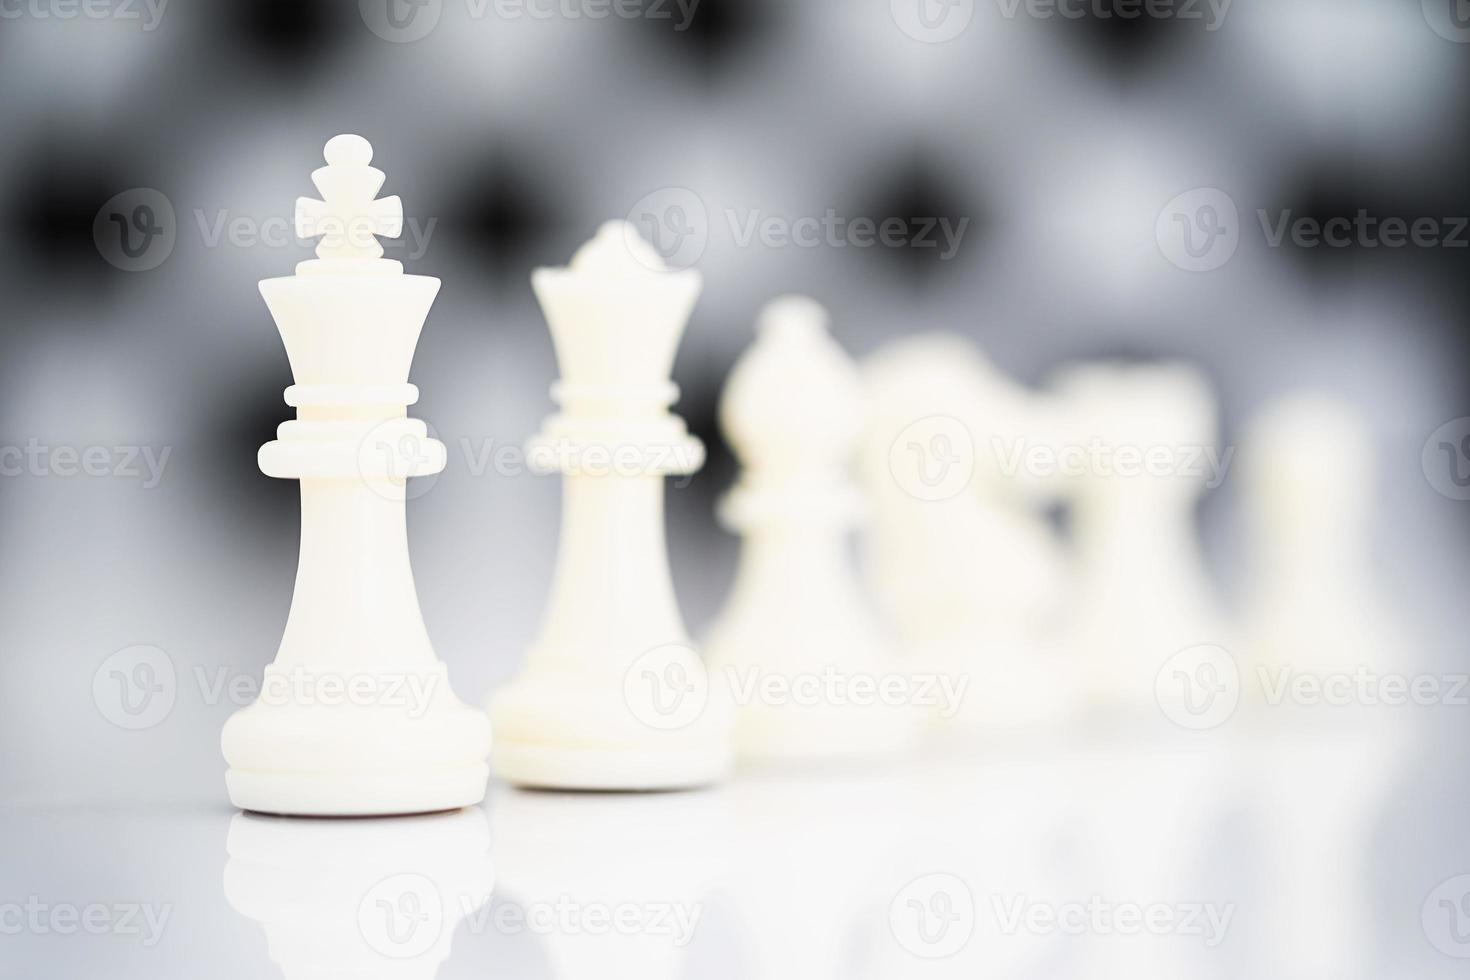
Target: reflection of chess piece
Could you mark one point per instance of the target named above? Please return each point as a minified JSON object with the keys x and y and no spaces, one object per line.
{"x":1314,"y":613}
{"x":582,"y":715}
{"x":355,"y":714}
{"x":1142,"y":438}
{"x":959,"y":556}
{"x":611,"y":886}
{"x":792,"y":409}
{"x":361,"y":898}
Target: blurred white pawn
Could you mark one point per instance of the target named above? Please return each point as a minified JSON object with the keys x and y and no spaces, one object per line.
{"x":360,"y":898}
{"x":797,"y":620}
{"x":1141,"y":450}
{"x":1324,"y":759}
{"x":960,"y":556}
{"x":1313,"y":605}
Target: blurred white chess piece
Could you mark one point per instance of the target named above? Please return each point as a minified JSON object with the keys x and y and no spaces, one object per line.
{"x":960,"y":556}
{"x":377,"y":898}
{"x":613,"y":886}
{"x":1314,"y":604}
{"x":793,"y":412}
{"x":356,"y":715}
{"x":1316,"y":622}
{"x":613,"y":695}
{"x":1141,"y":451}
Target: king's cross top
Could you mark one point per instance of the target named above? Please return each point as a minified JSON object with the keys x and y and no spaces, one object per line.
{"x":349,"y":218}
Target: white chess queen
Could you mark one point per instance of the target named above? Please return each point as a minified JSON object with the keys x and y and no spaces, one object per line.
{"x":355,"y":715}
{"x":613,"y":695}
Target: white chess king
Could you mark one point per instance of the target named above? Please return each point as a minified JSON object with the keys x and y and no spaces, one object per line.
{"x":793,"y":411}
{"x":355,"y":716}
{"x":613,"y":696}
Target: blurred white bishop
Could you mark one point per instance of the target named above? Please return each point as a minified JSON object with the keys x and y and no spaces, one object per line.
{"x":355,"y":715}
{"x":613,"y":695}
{"x":793,"y":411}
{"x":960,"y":556}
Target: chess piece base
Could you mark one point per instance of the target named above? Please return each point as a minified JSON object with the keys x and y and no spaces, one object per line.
{"x":798,"y":734}
{"x":624,"y":769}
{"x":357,"y":794}
{"x":349,"y":760}
{"x":598,"y":744}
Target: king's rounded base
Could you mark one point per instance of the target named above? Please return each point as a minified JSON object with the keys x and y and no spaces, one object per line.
{"x":357,"y":794}
{"x":550,"y":736}
{"x":386,"y":759}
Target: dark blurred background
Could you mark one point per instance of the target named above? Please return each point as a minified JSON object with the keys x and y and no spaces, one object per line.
{"x":1055,"y":141}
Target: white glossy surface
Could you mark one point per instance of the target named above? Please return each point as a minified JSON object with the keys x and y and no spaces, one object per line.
{"x":859,"y":874}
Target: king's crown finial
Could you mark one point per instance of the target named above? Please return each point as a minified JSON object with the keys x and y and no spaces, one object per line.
{"x":349,"y":218}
